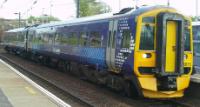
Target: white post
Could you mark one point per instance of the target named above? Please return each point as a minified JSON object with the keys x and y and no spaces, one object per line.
{"x":119,"y":5}
{"x":197,"y":10}
{"x":168,"y":3}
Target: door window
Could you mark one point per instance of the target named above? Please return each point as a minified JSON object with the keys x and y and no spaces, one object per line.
{"x":126,"y":34}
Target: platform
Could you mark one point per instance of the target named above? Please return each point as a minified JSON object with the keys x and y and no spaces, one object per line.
{"x":15,"y":91}
{"x":195,"y":78}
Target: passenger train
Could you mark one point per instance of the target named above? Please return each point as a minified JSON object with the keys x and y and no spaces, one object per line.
{"x":145,"y":52}
{"x":196,"y":41}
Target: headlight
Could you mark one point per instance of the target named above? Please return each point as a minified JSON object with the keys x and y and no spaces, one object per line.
{"x":146,"y":55}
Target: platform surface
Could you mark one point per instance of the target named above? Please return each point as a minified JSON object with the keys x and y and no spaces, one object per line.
{"x":195,"y":78}
{"x":17,"y":92}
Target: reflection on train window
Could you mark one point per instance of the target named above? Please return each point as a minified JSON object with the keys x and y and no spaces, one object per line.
{"x":14,"y":37}
{"x":187,"y":40}
{"x":197,"y":48}
{"x":30,"y":35}
{"x":95,"y":39}
{"x":148,"y":20}
{"x":73,"y":39}
{"x":64,"y":38}
{"x":35,"y":39}
{"x":51,"y":37}
{"x":40,"y":39}
{"x":196,"y":32}
{"x":20,"y":36}
{"x":45,"y":38}
{"x":126,"y":36}
{"x":57,"y":38}
{"x":83,"y":38}
{"x":147,"y":37}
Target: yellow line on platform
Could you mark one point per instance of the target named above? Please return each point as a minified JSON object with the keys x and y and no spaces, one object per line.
{"x":31,"y":90}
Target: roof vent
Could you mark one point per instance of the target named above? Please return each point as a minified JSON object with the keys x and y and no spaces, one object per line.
{"x":123,"y":11}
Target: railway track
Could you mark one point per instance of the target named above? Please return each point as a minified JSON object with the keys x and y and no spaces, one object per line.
{"x":80,"y":93}
{"x":46,"y":84}
{"x":86,"y":94}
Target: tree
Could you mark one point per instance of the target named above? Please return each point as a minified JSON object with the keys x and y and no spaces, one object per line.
{"x":41,"y":19}
{"x":91,"y":7}
{"x":195,"y":18}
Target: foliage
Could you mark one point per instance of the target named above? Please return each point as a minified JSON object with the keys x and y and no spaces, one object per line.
{"x":41,"y":19}
{"x":91,"y":7}
{"x":195,"y":18}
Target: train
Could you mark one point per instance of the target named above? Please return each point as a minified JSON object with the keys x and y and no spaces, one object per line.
{"x":145,"y":52}
{"x":196,"y":41}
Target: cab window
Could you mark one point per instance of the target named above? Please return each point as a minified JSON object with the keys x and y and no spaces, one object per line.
{"x":147,"y":37}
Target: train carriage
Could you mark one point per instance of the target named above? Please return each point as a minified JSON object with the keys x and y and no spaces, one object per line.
{"x":196,"y":41}
{"x":146,"y":52}
{"x":15,"y":40}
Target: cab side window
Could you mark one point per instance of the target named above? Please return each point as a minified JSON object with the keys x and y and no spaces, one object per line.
{"x":147,"y":33}
{"x":147,"y":37}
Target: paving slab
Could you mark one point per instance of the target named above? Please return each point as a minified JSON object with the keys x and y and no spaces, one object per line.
{"x":17,"y":92}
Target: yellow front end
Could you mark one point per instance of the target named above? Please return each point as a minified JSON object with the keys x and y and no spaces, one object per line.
{"x":145,"y":55}
{"x":149,"y":87}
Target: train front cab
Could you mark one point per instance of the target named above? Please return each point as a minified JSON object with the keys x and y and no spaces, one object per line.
{"x":163,"y":53}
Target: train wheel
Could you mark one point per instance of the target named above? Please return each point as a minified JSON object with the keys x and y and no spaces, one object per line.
{"x":62,"y":66}
{"x":130,"y":90}
{"x":74,"y":69}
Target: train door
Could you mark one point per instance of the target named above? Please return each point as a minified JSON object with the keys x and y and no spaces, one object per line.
{"x":111,"y":45}
{"x":170,"y":43}
{"x":171,"y":46}
{"x":26,"y":40}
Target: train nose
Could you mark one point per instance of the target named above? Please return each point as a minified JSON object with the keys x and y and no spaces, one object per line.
{"x":170,"y":44}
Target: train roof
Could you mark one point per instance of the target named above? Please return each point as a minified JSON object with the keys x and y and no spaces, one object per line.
{"x":134,"y":12}
{"x":196,"y":23}
{"x":107,"y":16}
{"x":16,"y":30}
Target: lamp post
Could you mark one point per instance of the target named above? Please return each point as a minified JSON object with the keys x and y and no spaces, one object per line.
{"x":197,"y":7}
{"x":19,"y":14}
{"x":168,"y":3}
{"x":77,"y":8}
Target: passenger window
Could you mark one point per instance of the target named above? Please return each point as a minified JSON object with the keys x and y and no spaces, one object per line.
{"x":147,"y":37}
{"x":126,"y":34}
{"x":83,"y":39}
{"x":31,"y":36}
{"x":64,"y":38}
{"x":73,"y":39}
{"x":44,"y":38}
{"x":95,"y":39}
{"x":22,"y":36}
{"x":187,"y":40}
{"x":57,"y":38}
{"x":196,"y":32}
{"x":39,"y":39}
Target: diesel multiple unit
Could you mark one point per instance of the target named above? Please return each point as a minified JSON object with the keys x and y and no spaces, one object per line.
{"x":146,"y":52}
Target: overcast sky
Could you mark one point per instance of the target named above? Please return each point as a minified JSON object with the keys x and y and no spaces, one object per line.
{"x":65,"y":9}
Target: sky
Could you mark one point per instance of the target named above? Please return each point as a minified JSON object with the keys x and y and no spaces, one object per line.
{"x":66,"y":9}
